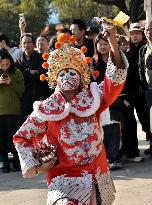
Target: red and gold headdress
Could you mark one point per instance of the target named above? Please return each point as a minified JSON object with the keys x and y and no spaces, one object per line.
{"x":66,"y":56}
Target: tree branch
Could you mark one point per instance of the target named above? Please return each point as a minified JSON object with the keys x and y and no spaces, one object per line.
{"x":119,"y":3}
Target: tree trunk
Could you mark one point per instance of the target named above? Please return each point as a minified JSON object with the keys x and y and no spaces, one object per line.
{"x":119,"y":3}
{"x":136,"y":10}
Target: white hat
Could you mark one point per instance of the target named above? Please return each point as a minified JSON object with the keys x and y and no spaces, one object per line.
{"x":136,"y":27}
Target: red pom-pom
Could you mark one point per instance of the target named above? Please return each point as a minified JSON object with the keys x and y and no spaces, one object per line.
{"x":87,"y":59}
{"x":95,"y":73}
{"x":45,"y":56}
{"x":57,"y":44}
{"x":72,"y":39}
{"x":62,"y":38}
{"x":42,"y":77}
{"x":45,"y":65}
{"x":83,"y":49}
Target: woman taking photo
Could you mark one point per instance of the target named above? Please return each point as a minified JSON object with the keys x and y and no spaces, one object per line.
{"x":11,"y":89}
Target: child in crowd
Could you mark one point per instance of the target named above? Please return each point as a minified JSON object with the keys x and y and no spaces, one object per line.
{"x":11,"y":89}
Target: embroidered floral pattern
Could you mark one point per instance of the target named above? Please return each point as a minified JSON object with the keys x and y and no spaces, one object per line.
{"x":81,"y":102}
{"x":31,"y":131}
{"x":53,"y":105}
{"x":114,"y":74}
{"x":32,"y":127}
{"x":86,"y":102}
{"x":81,"y":141}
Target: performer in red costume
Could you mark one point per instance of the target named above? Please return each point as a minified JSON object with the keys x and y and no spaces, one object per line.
{"x":69,"y":119}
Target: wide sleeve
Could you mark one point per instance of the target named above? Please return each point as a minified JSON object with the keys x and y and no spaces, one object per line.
{"x":31,"y":132}
{"x":113,"y":83}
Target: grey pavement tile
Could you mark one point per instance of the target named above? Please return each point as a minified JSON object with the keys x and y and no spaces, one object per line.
{"x":22,"y":196}
{"x":15,"y":180}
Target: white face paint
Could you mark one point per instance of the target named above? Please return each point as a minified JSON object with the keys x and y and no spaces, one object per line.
{"x":68,"y":80}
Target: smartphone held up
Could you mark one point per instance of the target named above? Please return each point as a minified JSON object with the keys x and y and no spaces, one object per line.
{"x":22,"y":17}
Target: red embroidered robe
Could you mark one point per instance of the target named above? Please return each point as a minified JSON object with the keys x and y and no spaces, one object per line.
{"x":73,"y":127}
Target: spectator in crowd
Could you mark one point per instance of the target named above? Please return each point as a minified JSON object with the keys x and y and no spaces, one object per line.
{"x":52,"y":42}
{"x":70,"y":120}
{"x":58,"y":27}
{"x":30,"y":63}
{"x":67,"y":31}
{"x":48,"y":31}
{"x":134,"y":97}
{"x":78,"y":29}
{"x":123,"y":43}
{"x":145,"y":64}
{"x":42,"y":44}
{"x":110,"y":119}
{"x":92,"y":32}
{"x":11,"y":90}
{"x":5,"y":44}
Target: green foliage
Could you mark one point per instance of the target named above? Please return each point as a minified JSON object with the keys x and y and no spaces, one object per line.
{"x":36,"y":15}
{"x":84,"y":10}
{"x":9,"y":18}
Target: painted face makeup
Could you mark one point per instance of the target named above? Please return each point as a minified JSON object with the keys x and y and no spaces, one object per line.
{"x":68,"y":80}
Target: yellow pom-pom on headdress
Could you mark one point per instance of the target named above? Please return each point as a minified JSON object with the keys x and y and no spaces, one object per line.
{"x":66,"y":56}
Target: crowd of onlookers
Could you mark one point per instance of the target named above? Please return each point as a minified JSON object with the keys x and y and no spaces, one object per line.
{"x":20,"y":86}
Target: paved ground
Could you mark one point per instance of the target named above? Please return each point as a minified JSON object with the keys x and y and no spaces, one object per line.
{"x":133,"y":184}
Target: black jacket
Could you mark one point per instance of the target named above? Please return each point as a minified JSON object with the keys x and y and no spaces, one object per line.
{"x":33,"y":84}
{"x":88,"y":43}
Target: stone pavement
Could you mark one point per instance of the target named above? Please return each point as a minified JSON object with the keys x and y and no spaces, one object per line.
{"x":133,"y":184}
